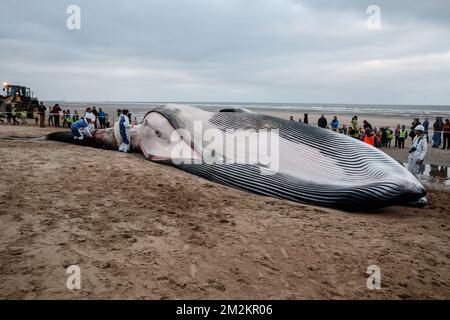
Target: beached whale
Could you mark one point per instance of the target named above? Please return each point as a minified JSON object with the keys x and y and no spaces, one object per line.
{"x":300,"y":162}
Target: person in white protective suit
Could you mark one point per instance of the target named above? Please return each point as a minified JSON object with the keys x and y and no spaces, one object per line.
{"x":89,"y":115}
{"x":122,"y":129}
{"x":418,"y":151}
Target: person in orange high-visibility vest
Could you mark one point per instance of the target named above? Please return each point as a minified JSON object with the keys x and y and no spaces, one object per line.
{"x":369,"y":137}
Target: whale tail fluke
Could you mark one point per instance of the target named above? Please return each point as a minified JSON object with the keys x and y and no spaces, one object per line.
{"x":67,"y":137}
{"x":24,"y":138}
{"x":60,"y":136}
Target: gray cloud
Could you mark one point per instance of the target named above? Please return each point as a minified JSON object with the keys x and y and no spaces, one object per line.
{"x":234,"y":50}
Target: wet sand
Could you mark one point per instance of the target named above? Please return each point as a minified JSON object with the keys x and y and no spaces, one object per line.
{"x":143,"y":230}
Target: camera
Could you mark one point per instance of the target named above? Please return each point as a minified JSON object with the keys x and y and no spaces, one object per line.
{"x":413,"y":149}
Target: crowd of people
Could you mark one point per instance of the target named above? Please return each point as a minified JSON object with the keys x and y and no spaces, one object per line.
{"x":381,"y":137}
{"x":12,"y":115}
{"x":86,"y":125}
{"x":80,"y":125}
{"x":385,"y":137}
{"x":55,"y":116}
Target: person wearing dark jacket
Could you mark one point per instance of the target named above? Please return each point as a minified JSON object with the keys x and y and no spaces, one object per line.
{"x":102,"y":118}
{"x":446,"y":130}
{"x":414,"y":124}
{"x":425,"y":125}
{"x":396,"y":135}
{"x":437,"y":135}
{"x":305,"y":118}
{"x":95,"y":112}
{"x":41,"y":112}
{"x":322,"y":122}
{"x":8,"y":113}
{"x":384,"y":139}
{"x":55,"y":112}
{"x":367,"y":125}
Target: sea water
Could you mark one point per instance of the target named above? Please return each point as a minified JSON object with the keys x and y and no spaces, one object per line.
{"x":138,"y":109}
{"x":435,"y":175}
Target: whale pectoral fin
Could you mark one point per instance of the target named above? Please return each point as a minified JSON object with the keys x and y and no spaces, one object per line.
{"x":422,"y":202}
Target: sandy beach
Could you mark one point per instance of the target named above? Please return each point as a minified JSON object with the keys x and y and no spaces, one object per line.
{"x":235,"y":206}
{"x":143,"y":230}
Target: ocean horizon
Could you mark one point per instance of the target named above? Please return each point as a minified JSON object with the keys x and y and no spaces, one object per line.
{"x":327,"y":108}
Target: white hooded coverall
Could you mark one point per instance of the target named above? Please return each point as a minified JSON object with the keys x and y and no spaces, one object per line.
{"x":420,"y":143}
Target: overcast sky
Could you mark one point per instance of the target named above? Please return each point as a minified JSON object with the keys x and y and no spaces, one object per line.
{"x":229,"y":50}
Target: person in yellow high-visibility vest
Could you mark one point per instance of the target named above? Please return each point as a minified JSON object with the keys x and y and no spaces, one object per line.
{"x":14,"y":115}
{"x":389,"y":136}
{"x":69,"y":118}
{"x":23,"y":116}
{"x":402,"y":136}
{"x":35,"y":115}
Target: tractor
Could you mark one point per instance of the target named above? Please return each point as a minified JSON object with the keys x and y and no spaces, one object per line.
{"x":19,"y":97}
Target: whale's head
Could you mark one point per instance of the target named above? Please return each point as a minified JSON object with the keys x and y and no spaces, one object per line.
{"x":161,"y":140}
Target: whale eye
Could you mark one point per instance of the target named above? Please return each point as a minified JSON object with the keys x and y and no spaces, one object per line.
{"x":158,"y":133}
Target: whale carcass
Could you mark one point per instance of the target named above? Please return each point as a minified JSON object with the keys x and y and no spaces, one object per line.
{"x":301,"y":162}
